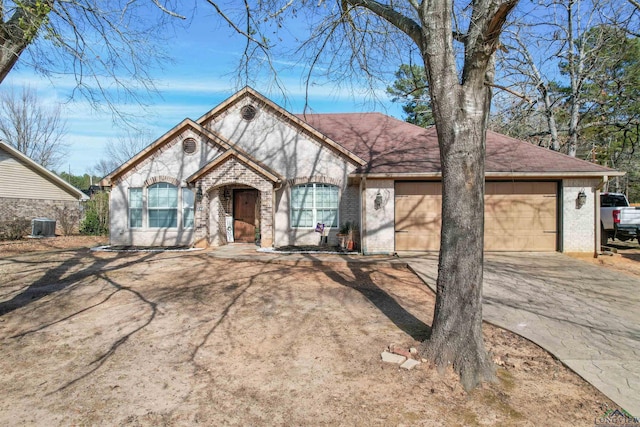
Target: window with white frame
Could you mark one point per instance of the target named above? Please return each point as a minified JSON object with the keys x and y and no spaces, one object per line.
{"x":162,"y":206}
{"x":188,"y":202}
{"x":135,"y":207}
{"x":314,"y":203}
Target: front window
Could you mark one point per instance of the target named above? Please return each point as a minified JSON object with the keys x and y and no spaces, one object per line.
{"x":188,"y":201}
{"x":163,"y":205}
{"x":314,"y":203}
{"x":135,"y":207}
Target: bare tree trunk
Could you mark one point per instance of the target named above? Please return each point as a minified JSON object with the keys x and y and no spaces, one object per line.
{"x":19,"y":31}
{"x":575,"y":65}
{"x":461,"y":113}
{"x":9,"y":54}
{"x":456,"y":337}
{"x":534,"y":74}
{"x":551,"y":119}
{"x":460,"y":103}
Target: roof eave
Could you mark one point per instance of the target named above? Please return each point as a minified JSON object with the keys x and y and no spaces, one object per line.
{"x":44,"y":172}
{"x":146,"y":152}
{"x":149,"y":150}
{"x":503,"y":175}
{"x":556,"y":174}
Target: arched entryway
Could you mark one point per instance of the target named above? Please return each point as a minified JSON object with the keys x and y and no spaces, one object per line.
{"x":236,"y":203}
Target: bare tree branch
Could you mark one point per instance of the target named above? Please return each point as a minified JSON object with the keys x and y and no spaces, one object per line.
{"x":512,"y":92}
{"x":32,"y":129}
{"x":108,"y":47}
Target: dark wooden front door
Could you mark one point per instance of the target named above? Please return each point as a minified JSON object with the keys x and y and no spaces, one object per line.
{"x":244,"y":215}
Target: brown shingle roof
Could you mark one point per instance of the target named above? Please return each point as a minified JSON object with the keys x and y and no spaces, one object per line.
{"x":394,"y":147}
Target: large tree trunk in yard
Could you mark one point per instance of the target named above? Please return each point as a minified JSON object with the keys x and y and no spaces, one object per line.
{"x":461,"y":109}
{"x":456,"y":337}
{"x":460,"y":101}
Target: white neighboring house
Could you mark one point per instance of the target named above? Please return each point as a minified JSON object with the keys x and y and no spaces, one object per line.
{"x":248,"y":170}
{"x":28,"y":190}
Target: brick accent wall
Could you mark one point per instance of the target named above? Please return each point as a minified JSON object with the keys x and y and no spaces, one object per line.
{"x":231,"y":174}
{"x":29,"y":209}
{"x":350,"y":204}
{"x":350,"y":208}
{"x":162,"y":178}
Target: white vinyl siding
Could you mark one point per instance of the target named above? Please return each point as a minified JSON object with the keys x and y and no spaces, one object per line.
{"x":314,"y":203}
{"x":18,"y":181}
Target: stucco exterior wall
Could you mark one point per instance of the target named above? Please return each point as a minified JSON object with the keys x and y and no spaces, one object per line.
{"x":296,"y":156}
{"x":379,"y":225}
{"x":168,"y":164}
{"x":267,"y":139}
{"x":279,"y":145}
{"x":578,"y":224}
{"x":348,"y":210}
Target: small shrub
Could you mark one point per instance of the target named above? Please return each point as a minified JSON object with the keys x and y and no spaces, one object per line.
{"x":15,"y":229}
{"x":68,"y":219}
{"x":91,"y":225}
{"x":96,"y":216}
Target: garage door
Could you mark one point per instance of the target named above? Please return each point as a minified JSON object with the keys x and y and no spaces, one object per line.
{"x":519,"y":216}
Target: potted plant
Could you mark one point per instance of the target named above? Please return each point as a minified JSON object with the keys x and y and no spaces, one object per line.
{"x":347,"y":234}
{"x":351,"y":242}
{"x":342,"y":235}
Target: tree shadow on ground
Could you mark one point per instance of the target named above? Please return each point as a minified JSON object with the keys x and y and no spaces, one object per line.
{"x":59,"y":278}
{"x":81,"y":265}
{"x":364,"y":283}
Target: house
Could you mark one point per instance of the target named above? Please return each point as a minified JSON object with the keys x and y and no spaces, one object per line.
{"x":249,"y":171}
{"x":28,"y":191}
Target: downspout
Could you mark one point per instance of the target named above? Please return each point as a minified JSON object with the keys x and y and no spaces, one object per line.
{"x":598,"y":248}
{"x":276,"y":188}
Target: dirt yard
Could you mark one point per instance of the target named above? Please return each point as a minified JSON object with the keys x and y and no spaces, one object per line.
{"x":625,"y":259}
{"x":181,"y":338}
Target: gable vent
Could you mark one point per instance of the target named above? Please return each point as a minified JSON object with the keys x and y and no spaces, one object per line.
{"x":189,"y":146}
{"x":248,"y":112}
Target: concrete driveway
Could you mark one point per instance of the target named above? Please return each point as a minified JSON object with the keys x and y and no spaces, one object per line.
{"x":585,"y":315}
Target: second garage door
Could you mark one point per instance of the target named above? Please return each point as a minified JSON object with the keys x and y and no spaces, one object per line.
{"x":519,"y":216}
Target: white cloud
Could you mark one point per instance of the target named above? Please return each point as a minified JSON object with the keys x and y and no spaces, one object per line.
{"x":182,"y":94}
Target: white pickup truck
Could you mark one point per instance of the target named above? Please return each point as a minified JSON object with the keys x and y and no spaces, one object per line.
{"x":618,"y":220}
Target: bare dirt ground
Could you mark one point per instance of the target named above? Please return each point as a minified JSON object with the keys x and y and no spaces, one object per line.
{"x":181,"y":338}
{"x":626,"y":257}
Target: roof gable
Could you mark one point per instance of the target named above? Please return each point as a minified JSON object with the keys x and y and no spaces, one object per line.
{"x":208,"y":136}
{"x":159,"y":143}
{"x":243,"y":159}
{"x":377,"y":145}
{"x":293,"y":120}
{"x":42,"y":172}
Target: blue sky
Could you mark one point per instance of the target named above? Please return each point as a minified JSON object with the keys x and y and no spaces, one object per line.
{"x":205,"y":57}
